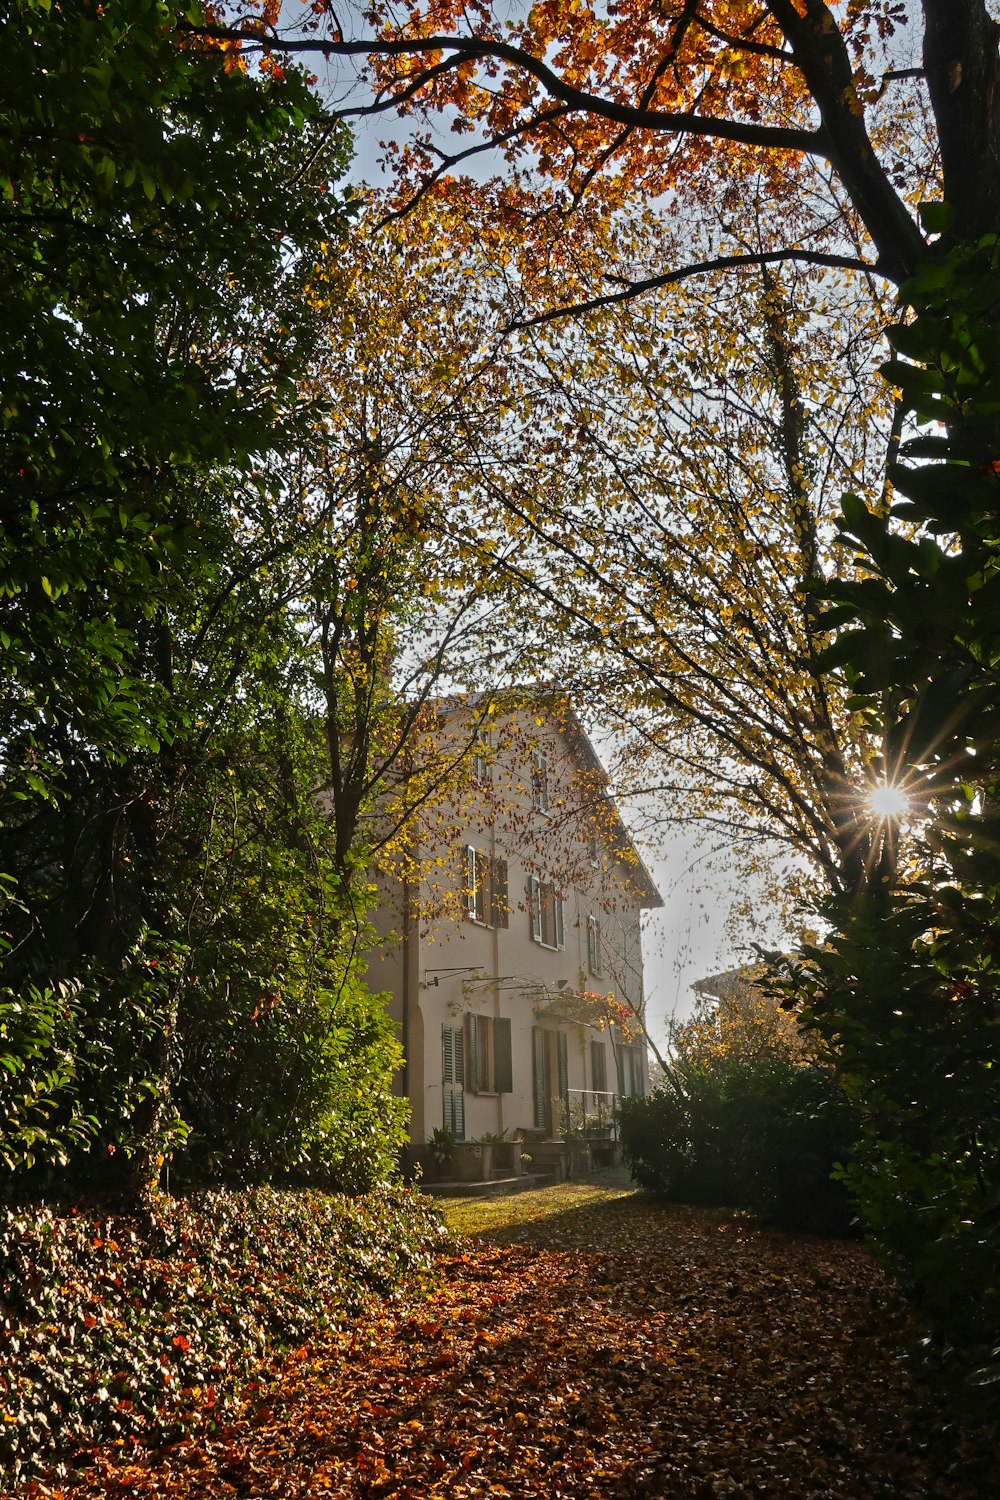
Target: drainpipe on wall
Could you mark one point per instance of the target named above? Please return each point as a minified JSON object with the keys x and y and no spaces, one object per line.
{"x":407,"y":991}
{"x":495,"y":946}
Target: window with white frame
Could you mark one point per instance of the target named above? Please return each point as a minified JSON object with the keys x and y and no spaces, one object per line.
{"x":545,"y":908}
{"x":595,"y":961}
{"x":486,"y":888}
{"x":488,"y":1050}
{"x":539,"y":781}
{"x":481,"y":759}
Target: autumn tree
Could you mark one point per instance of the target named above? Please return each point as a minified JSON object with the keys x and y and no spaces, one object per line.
{"x":395,"y":599}
{"x":613,"y":111}
{"x":667,"y":479}
{"x":638,"y":149}
{"x":736,"y":1017}
{"x":620,"y":133}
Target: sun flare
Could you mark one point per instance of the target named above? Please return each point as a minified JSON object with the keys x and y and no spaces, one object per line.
{"x":888,"y":801}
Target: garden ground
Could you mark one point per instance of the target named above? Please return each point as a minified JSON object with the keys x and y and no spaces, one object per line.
{"x":585,"y":1341}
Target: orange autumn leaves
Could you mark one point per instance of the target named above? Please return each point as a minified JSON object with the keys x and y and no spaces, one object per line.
{"x":614,"y":1349}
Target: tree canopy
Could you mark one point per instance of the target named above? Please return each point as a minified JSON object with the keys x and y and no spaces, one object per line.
{"x":172,"y":911}
{"x":846,"y":115}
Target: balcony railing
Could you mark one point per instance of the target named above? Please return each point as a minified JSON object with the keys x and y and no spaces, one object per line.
{"x":588,"y":1114}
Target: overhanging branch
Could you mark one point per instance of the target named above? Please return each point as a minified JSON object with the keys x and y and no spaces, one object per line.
{"x":461,"y":49}
{"x":699,"y":268}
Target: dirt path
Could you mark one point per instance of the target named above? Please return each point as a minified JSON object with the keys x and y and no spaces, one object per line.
{"x":594,"y":1345}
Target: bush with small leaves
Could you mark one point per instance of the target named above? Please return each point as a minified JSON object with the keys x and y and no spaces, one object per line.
{"x":117,"y":1327}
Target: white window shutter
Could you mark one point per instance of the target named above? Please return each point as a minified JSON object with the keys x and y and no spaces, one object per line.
{"x":535,"y":905}
{"x":470,"y":880}
{"x":499,"y":899}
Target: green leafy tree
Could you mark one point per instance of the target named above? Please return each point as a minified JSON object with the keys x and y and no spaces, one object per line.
{"x":159,"y":208}
{"x":906,"y":988}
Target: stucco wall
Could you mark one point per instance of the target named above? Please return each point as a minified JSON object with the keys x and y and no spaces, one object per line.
{"x":451,"y":965}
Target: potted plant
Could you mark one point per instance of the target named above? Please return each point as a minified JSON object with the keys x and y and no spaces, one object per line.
{"x":442,"y":1151}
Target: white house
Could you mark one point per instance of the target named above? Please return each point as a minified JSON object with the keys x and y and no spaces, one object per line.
{"x":512,"y":952}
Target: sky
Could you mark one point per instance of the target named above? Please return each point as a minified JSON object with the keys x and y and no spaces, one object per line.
{"x":692,"y":936}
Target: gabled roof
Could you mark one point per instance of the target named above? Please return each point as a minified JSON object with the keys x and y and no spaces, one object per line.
{"x":555,"y":703}
{"x":732,"y":983}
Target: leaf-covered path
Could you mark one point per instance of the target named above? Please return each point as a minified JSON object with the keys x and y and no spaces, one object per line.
{"x":591,"y":1344}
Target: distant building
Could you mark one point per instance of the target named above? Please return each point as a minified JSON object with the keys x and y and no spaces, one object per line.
{"x":736,"y":1016}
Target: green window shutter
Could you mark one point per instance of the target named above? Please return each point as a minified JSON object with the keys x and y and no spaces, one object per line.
{"x":470,"y":880}
{"x":557,"y":912}
{"x":535,"y":908}
{"x":538,"y":1085}
{"x":500,"y":904}
{"x":598,"y":1067}
{"x":503,"y":1067}
{"x":594,"y":945}
{"x":539,"y":781}
{"x":472,"y":1051}
{"x":631,"y":1070}
{"x":564,"y":1067}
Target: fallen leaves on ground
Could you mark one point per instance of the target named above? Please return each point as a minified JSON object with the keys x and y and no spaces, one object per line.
{"x":620,"y":1348}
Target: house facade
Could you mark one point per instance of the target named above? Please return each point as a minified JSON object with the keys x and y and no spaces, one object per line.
{"x":512,"y":949}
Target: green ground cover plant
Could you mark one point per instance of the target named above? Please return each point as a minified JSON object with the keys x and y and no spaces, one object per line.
{"x":114,"y":1328}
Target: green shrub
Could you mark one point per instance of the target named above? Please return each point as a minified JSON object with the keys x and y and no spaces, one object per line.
{"x":905,"y":988}
{"x":114,"y":1328}
{"x":762,"y":1134}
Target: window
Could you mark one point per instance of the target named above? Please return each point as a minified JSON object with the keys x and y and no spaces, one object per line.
{"x":481,"y":759}
{"x":539,"y":781}
{"x":488,"y":1051}
{"x":599,"y":1071}
{"x":594,"y":850}
{"x":453,"y":1078}
{"x":486,"y":888}
{"x":594,"y":957}
{"x":546,"y":911}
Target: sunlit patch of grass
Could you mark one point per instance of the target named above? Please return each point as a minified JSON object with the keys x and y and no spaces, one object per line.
{"x":468,"y":1216}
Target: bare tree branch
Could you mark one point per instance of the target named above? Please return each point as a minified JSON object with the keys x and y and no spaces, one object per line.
{"x":472,"y":48}
{"x":634,"y":289}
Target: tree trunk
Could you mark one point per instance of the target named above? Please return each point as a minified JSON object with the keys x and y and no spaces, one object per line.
{"x":963,"y":75}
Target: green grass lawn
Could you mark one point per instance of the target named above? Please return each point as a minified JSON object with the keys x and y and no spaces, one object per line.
{"x":506,"y":1217}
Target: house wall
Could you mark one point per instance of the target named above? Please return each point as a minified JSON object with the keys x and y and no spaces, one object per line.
{"x":445,"y":965}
